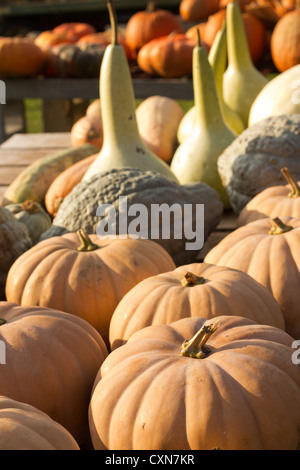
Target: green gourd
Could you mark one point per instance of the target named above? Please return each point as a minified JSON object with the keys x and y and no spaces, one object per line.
{"x":241,"y":81}
{"x":122,"y":143}
{"x":196,"y":157}
{"x":217,"y":58}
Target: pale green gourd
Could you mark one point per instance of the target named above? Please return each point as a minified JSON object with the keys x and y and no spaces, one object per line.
{"x":196,"y":157}
{"x":217,"y":58}
{"x":122,"y":144}
{"x":241,"y":81}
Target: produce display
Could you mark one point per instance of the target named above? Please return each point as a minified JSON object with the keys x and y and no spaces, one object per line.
{"x":131,"y":318}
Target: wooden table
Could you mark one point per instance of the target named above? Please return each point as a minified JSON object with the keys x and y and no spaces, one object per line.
{"x":21,"y":150}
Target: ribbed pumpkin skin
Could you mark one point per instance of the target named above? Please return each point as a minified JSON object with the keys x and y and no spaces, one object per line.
{"x":162,"y":299}
{"x":273,"y":260}
{"x":243,"y":395}
{"x":24,"y":427}
{"x":87,"y":284}
{"x":52,"y":359}
{"x":285,"y":41}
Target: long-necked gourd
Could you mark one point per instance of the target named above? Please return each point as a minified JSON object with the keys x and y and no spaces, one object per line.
{"x":196,"y":157}
{"x":122,"y":144}
{"x":242,"y":81}
{"x":218,"y":59}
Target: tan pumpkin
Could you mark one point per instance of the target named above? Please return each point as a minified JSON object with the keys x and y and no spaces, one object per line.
{"x":283,"y":200}
{"x":269,"y":251}
{"x":51,"y":360}
{"x":84,"y":275}
{"x":285,"y":40}
{"x":158,"y":118}
{"x":87,"y":130}
{"x":189,"y":291}
{"x":20,"y":57}
{"x":24,"y":427}
{"x":65,"y":182}
{"x":196,"y":384}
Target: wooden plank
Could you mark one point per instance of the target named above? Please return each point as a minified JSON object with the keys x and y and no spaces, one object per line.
{"x":23,"y":157}
{"x":9,"y":173}
{"x":38,"y":141}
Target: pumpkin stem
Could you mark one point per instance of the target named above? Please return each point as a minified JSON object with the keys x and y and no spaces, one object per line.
{"x":196,"y":347}
{"x":191,"y":280}
{"x":86,"y":242}
{"x":2,"y":321}
{"x":279,"y":227}
{"x":151,"y":6}
{"x":113,"y":21}
{"x":291,"y":181}
{"x":30,"y":206}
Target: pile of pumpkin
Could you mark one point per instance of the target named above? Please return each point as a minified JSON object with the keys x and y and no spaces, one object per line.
{"x":130,"y":344}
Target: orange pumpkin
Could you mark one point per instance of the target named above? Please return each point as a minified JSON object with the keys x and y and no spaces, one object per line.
{"x":196,"y":10}
{"x":24,"y":427}
{"x":51,"y":360}
{"x":197,"y":384}
{"x":283,"y":200}
{"x":84,"y":275}
{"x":188,"y":291}
{"x":65,"y":182}
{"x":75,"y":29}
{"x":88,"y":129}
{"x":285,"y":41}
{"x":20,"y":57}
{"x":143,"y":26}
{"x":268,"y":250}
{"x":48,"y":39}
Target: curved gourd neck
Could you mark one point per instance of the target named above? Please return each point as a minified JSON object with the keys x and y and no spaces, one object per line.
{"x":237,"y":43}
{"x":207,"y":105}
{"x":217,"y":58}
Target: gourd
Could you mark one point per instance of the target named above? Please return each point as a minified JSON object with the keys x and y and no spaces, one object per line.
{"x":33,"y":182}
{"x":20,"y":57}
{"x":242,"y":81}
{"x":149,"y":189}
{"x":197,"y":384}
{"x":158,"y":118}
{"x":83,"y":274}
{"x":196,"y":157}
{"x":24,"y":427}
{"x":254,"y":160}
{"x":77,"y":60}
{"x":217,"y":58}
{"x":64,"y":183}
{"x":280,"y":96}
{"x":188,"y":290}
{"x":151,"y":23}
{"x":282,"y":200}
{"x":267,"y":250}
{"x":31,"y":214}
{"x":122,"y":144}
{"x":52,"y":359}
{"x":14,"y":240}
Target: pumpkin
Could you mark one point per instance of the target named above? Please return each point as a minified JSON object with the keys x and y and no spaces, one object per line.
{"x":285,"y":41}
{"x":198,"y":384}
{"x":52,"y":359}
{"x":75,"y":28}
{"x":31,"y":214}
{"x":79,"y":208}
{"x":152,"y":23}
{"x":189,"y":291}
{"x":78,"y":61}
{"x":242,"y":3}
{"x":94,"y":108}
{"x":158,"y":118}
{"x":24,"y":427}
{"x":196,"y":10}
{"x":14,"y":240}
{"x":46,"y":40}
{"x":283,"y":200}
{"x":268,"y":250}
{"x":104,"y":38}
{"x":87,"y":129}
{"x":65,"y":182}
{"x":20,"y":57}
{"x":254,"y":159}
{"x":167,"y":56}
{"x":84,"y":275}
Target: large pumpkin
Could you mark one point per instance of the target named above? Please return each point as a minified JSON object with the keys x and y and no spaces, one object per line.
{"x":194,"y":385}
{"x":20,"y":57}
{"x":196,"y":10}
{"x":85,"y":276}
{"x":285,"y":41}
{"x":51,"y":360}
{"x":24,"y":427}
{"x":268,"y":250}
{"x":189,"y":291}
